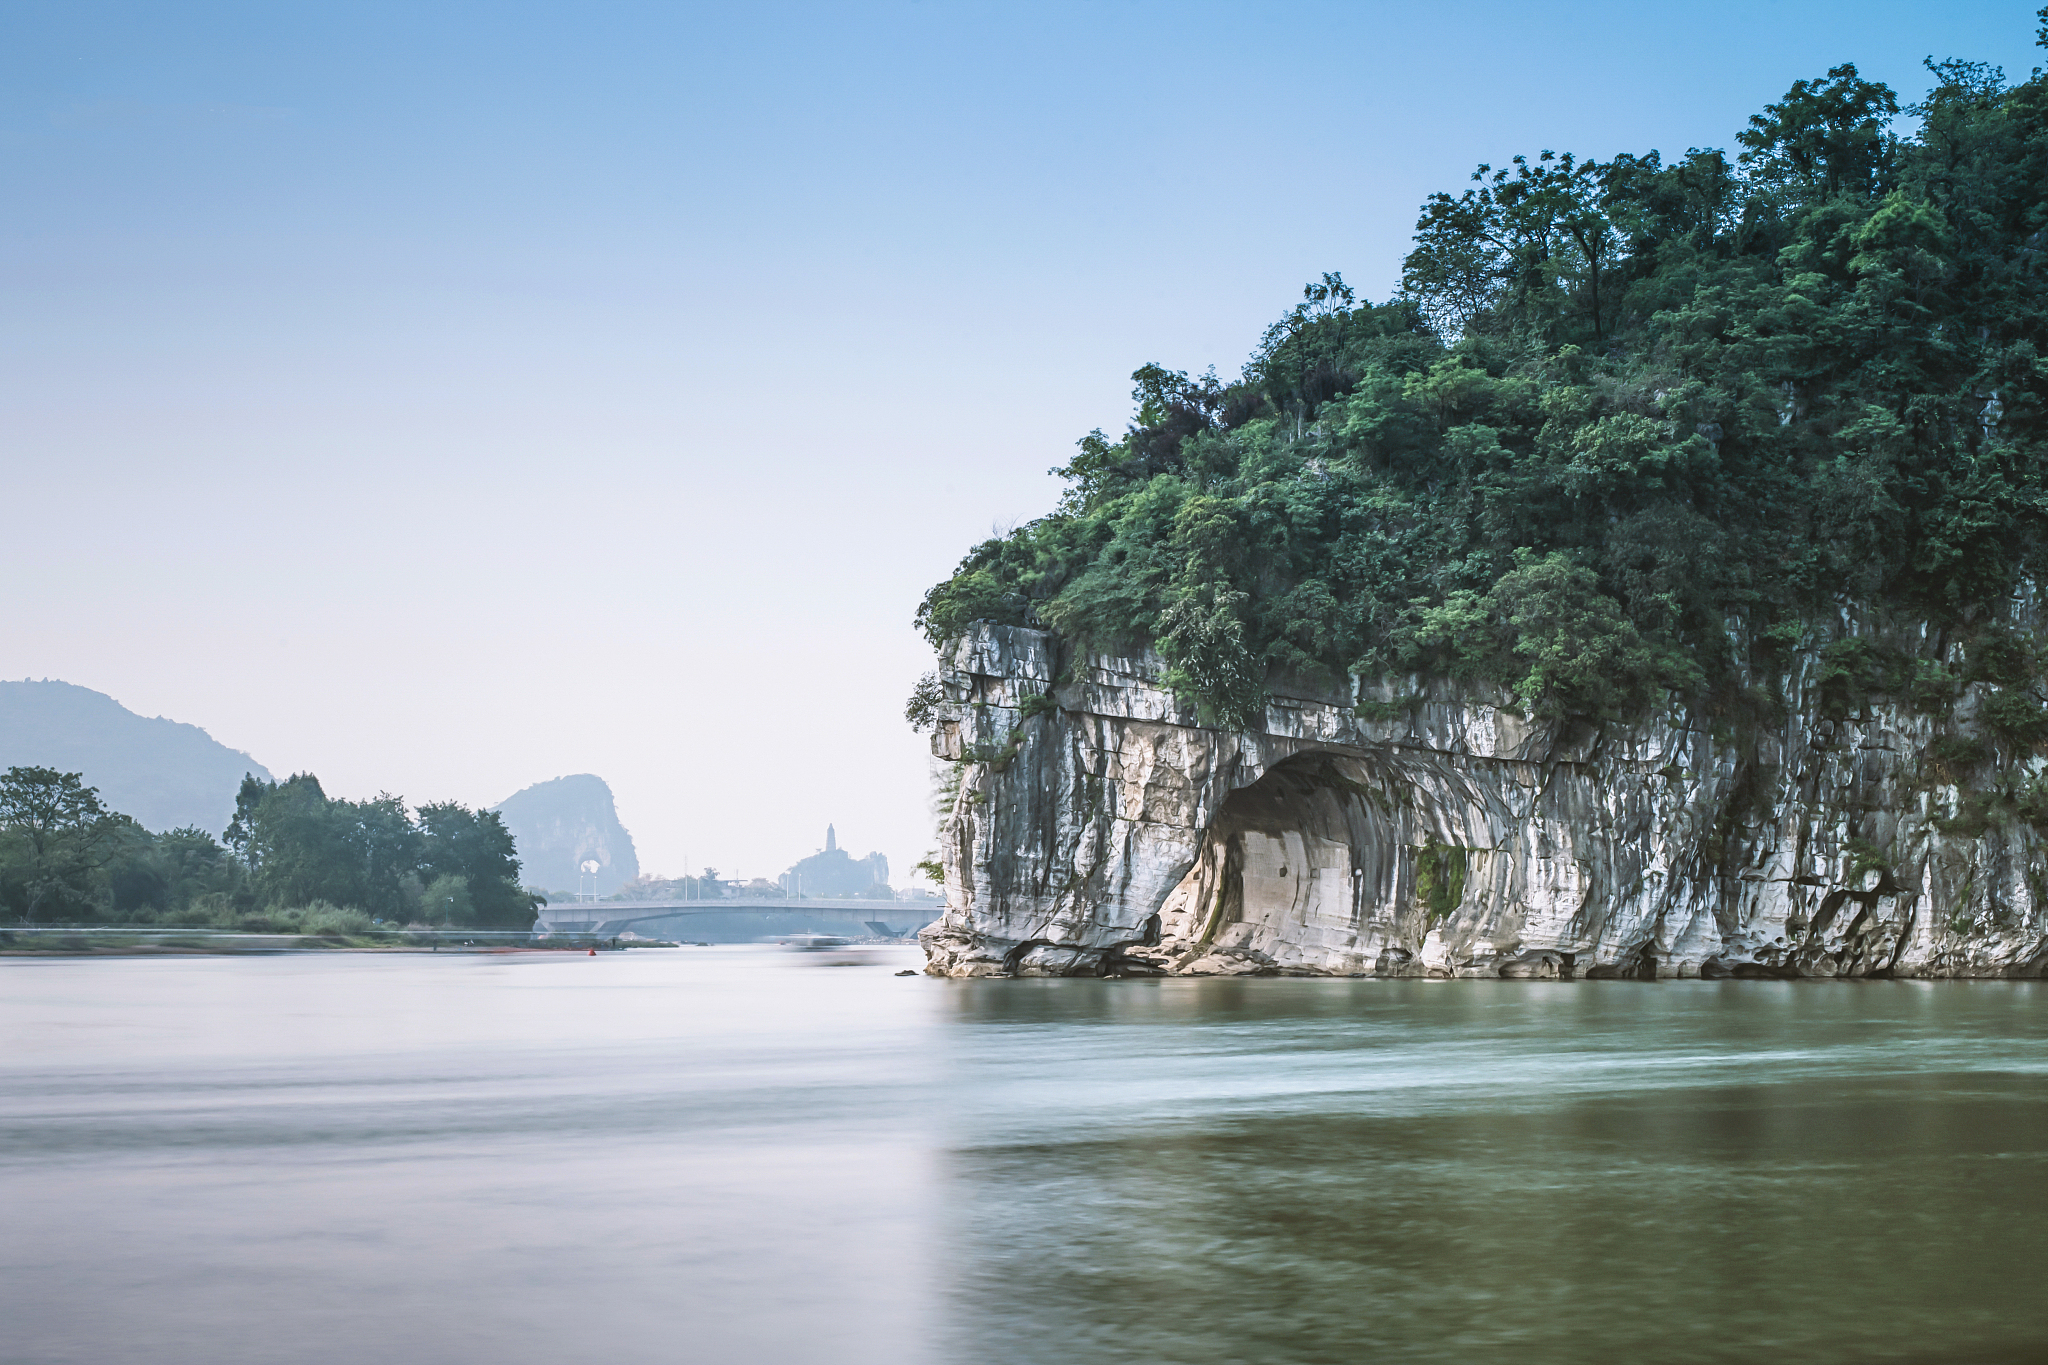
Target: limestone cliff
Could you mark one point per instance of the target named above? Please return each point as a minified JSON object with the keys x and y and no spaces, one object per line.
{"x":1100,"y":829}
{"x":564,"y":822}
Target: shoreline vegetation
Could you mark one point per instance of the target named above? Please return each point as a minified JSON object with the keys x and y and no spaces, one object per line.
{"x":293,"y":862}
{"x":131,"y":941}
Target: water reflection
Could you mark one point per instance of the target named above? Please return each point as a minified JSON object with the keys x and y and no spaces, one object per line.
{"x":1329,"y":1170}
{"x":716,"y":1155}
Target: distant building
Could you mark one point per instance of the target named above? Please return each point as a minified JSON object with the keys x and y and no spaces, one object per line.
{"x":833,"y":872}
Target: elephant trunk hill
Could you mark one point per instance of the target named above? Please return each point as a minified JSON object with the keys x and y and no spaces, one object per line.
{"x":1649,"y":587}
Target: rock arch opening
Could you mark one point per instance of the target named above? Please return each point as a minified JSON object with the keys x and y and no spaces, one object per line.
{"x":1330,"y":862}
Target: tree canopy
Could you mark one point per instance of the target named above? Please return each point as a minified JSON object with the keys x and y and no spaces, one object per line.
{"x":291,"y":850}
{"x":55,"y":835}
{"x":1629,"y":427}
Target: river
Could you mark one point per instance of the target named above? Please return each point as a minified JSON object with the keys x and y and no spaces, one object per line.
{"x":732,"y":1154}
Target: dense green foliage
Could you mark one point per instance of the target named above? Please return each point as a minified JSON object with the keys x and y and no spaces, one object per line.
{"x":1631,"y":426}
{"x":55,"y":835}
{"x":294,"y":859}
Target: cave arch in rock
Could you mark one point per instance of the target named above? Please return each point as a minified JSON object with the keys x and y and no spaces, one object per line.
{"x":1344,"y":860}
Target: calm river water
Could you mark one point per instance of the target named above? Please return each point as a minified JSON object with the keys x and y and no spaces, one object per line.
{"x":729,"y":1154}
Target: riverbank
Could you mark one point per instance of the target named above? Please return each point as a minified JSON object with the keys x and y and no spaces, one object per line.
{"x":234,"y":943}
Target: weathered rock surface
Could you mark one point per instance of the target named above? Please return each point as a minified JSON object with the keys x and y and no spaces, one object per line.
{"x":1099,"y":829}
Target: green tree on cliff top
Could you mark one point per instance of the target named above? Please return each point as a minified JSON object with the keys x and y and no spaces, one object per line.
{"x":1631,"y":426}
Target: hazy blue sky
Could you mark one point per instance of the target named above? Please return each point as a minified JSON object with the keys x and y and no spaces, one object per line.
{"x":445,"y":397}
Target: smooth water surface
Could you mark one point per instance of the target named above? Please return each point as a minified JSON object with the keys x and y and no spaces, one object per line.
{"x":734,"y":1155}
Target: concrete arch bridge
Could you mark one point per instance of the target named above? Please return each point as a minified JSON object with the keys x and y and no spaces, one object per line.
{"x":738,"y":919}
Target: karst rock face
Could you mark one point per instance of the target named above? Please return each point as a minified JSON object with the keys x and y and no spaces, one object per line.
{"x":1100,"y":829}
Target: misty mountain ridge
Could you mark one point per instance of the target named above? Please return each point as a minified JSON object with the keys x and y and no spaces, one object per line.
{"x":165,"y":774}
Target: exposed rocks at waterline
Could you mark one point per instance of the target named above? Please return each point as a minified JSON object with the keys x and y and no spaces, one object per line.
{"x":1100,"y":829}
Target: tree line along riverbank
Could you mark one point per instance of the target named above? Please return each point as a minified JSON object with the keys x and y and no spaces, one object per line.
{"x":293,"y":861}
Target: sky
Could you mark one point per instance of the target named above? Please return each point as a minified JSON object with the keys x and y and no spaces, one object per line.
{"x":440,"y":398}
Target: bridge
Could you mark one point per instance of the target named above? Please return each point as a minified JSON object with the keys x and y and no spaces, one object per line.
{"x":739,"y":919}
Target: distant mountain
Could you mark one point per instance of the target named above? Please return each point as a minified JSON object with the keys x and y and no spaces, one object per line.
{"x":561,"y":823}
{"x":163,"y":773}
